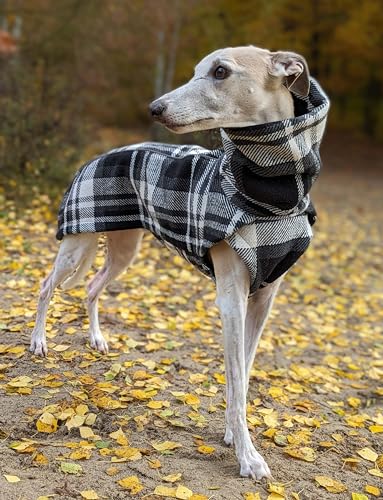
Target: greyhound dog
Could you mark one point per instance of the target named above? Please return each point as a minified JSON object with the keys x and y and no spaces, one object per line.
{"x":232,"y":88}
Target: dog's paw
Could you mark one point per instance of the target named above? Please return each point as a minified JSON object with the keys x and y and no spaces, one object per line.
{"x":253,"y":465}
{"x":99,"y":344}
{"x":229,"y":438}
{"x":38,"y":347}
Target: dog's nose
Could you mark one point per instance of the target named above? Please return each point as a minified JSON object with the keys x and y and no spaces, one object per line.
{"x":157,"y":108}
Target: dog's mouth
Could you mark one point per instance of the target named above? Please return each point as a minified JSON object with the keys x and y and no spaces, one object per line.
{"x":180,"y":127}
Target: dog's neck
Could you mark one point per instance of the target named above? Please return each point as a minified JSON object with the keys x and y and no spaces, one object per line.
{"x":276,"y":106}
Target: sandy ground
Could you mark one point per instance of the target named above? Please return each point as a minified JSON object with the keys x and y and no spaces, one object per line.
{"x":316,"y":389}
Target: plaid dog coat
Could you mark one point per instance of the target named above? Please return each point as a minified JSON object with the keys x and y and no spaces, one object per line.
{"x":253,"y":192}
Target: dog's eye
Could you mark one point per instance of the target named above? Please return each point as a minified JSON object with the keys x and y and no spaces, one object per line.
{"x":221,"y":73}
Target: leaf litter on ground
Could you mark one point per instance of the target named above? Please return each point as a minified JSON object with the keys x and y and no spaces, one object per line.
{"x":149,"y":417}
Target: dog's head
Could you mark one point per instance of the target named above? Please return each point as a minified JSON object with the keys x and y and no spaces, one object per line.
{"x":234,"y":87}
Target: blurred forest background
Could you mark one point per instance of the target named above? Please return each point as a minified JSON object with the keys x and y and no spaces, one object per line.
{"x":72,"y":71}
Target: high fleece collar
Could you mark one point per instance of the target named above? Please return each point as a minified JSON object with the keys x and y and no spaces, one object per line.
{"x":270,"y":168}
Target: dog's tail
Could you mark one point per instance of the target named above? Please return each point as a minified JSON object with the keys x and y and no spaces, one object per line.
{"x":84,"y":265}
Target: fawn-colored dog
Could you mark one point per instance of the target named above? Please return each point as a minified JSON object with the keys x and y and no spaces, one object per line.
{"x":233,"y":87}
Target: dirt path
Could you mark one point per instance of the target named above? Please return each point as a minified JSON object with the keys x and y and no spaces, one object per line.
{"x":315,"y":401}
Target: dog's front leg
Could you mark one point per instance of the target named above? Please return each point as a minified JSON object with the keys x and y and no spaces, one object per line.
{"x":232,"y":293}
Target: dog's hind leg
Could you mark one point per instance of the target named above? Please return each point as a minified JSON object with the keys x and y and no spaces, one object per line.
{"x":233,"y":284}
{"x":122,"y":247}
{"x":258,"y":310}
{"x":73,"y":252}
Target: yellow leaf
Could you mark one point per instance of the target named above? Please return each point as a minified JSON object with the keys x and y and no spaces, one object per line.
{"x":140,"y":394}
{"x":166,"y":445}
{"x":75,"y":421}
{"x":82,"y":409}
{"x":379,"y":461}
{"x":373,"y":490}
{"x":131,"y":483}
{"x":172,"y":478}
{"x":251,"y":496}
{"x":89,"y":495}
{"x":330,"y":484}
{"x":206,"y":450}
{"x":277,"y":488}
{"x":375,"y":429}
{"x":276,"y":392}
{"x":127,"y":453}
{"x":61,"y":347}
{"x":155,"y":405}
{"x":375,"y":472}
{"x":86,"y":432}
{"x":108,"y":403}
{"x":46,"y":423}
{"x":80,"y":454}
{"x":23,"y":446}
{"x":154,"y":463}
{"x":197,"y":378}
{"x":11,"y":479}
{"x":271,"y":420}
{"x":192,"y":399}
{"x":220,"y":378}
{"x":368,"y":454}
{"x":183,"y":493}
{"x":358,"y":496}
{"x":165,"y":491}
{"x":305,"y":453}
{"x":22,"y":381}
{"x":354,"y":402}
{"x":40,"y":459}
{"x":120,"y":437}
{"x":269,"y":433}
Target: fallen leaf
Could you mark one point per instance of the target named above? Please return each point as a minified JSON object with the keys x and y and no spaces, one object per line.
{"x":11,"y":479}
{"x":166,"y":445}
{"x":330,"y":484}
{"x":375,"y":429}
{"x":373,"y":490}
{"x":368,"y":454}
{"x":86,"y":432}
{"x":206,"y":450}
{"x":165,"y":491}
{"x":89,"y":495}
{"x":172,"y":478}
{"x":46,"y":423}
{"x":305,"y":453}
{"x":375,"y":472}
{"x":70,"y":468}
{"x":80,"y":454}
{"x":127,"y":453}
{"x":120,"y":437}
{"x":379,"y":461}
{"x":131,"y":483}
{"x":183,"y":493}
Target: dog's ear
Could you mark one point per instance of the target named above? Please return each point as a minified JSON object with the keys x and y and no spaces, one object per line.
{"x":294,"y":68}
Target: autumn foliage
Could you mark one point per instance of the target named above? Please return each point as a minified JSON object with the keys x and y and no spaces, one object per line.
{"x":101,"y":62}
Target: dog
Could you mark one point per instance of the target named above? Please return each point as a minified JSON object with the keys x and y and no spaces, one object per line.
{"x":249,"y":93}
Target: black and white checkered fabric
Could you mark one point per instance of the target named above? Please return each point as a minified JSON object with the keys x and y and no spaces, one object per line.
{"x":253,"y":192}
